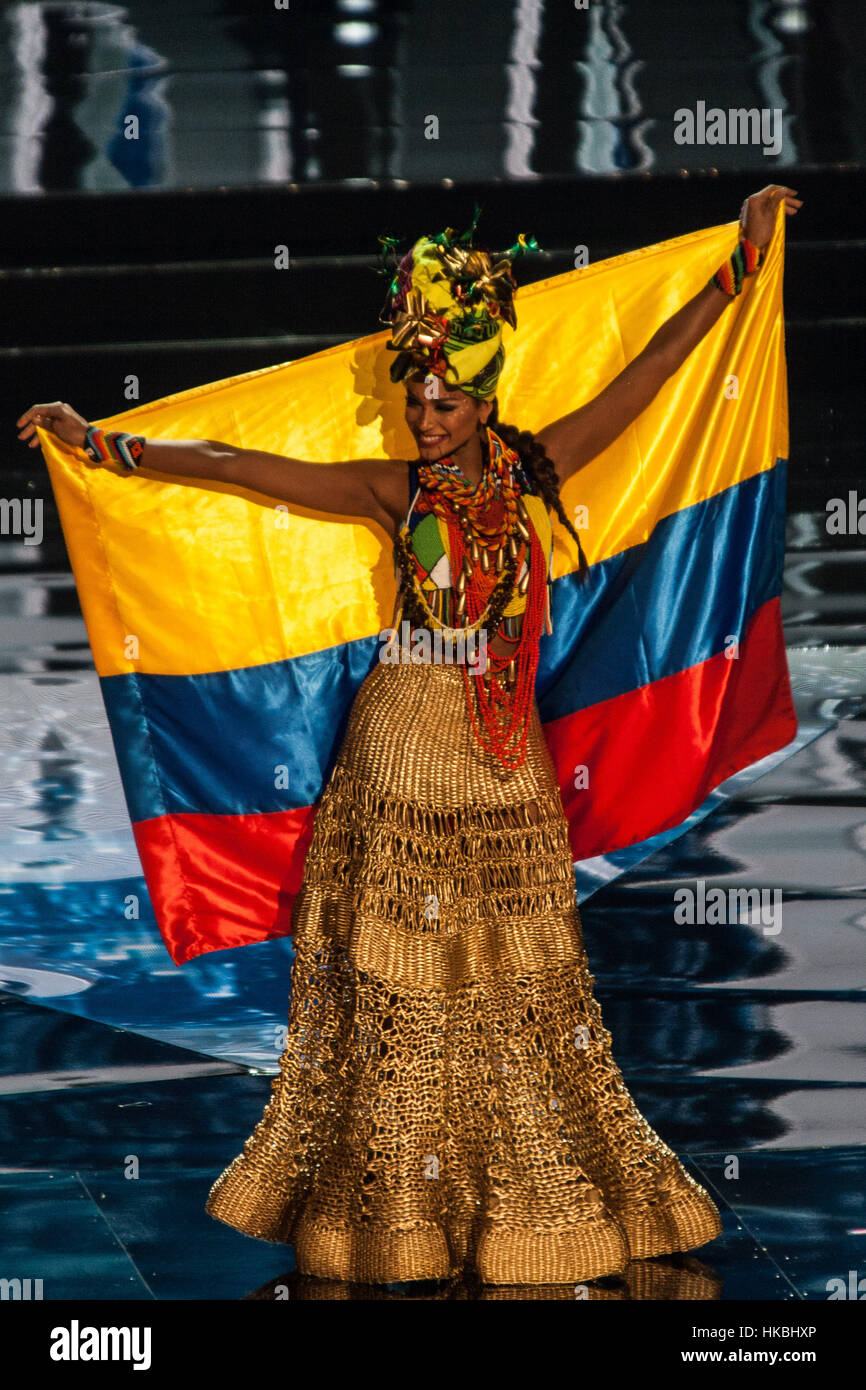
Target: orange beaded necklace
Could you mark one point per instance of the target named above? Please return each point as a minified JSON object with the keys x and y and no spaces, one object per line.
{"x":484,"y":524}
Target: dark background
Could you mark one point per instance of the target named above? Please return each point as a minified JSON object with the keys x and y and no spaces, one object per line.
{"x":306,"y":127}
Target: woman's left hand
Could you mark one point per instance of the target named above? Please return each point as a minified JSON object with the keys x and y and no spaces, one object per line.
{"x":758,"y":213}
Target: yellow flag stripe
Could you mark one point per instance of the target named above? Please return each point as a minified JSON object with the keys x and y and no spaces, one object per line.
{"x":182,"y":579}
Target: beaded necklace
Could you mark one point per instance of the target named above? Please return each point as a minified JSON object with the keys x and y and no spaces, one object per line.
{"x":490,"y":538}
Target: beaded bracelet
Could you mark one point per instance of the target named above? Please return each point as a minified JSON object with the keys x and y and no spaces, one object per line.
{"x":114,"y":446}
{"x":744,"y":260}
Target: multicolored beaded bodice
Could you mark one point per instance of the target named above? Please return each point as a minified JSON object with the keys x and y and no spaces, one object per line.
{"x":431,"y":550}
{"x":477,"y":561}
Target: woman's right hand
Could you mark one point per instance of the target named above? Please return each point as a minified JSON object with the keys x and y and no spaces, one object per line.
{"x":59,"y":418}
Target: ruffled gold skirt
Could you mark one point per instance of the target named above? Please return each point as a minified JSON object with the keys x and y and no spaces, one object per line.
{"x":447,"y":1093}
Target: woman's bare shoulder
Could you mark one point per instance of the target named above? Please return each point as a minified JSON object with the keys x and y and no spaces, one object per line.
{"x":389,"y":482}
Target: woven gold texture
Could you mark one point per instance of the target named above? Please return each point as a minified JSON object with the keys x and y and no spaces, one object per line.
{"x":447,"y":1093}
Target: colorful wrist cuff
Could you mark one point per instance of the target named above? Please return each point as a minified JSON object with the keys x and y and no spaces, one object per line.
{"x":114,"y":446}
{"x":744,"y":261}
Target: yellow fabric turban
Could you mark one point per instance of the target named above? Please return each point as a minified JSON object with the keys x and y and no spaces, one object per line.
{"x":447,"y":305}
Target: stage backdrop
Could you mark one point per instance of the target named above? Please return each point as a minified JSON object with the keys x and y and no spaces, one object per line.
{"x":231,"y":633}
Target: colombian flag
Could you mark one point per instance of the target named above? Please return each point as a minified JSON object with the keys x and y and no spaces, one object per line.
{"x":231,"y":633}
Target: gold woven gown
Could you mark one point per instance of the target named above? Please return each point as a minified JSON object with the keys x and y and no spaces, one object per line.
{"x":447,"y":1092}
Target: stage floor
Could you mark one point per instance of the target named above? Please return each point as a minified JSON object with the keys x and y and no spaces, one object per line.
{"x":738,"y":1041}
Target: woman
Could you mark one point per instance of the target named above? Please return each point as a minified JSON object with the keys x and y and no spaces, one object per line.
{"x":447,"y":1094}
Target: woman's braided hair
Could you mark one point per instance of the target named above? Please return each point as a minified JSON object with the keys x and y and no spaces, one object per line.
{"x":540,"y":468}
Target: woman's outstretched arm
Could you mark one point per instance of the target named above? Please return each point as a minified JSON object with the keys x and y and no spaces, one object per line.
{"x":374,"y":488}
{"x":580,"y":436}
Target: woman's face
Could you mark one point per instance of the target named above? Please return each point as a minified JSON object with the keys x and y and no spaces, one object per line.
{"x":444,"y":423}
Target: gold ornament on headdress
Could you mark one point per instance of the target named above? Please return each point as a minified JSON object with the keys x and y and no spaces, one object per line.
{"x":417,"y":325}
{"x":447,"y":304}
{"x":491,"y":282}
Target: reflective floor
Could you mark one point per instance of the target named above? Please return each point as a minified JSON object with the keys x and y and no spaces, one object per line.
{"x":126,"y":1084}
{"x":108,"y":1150}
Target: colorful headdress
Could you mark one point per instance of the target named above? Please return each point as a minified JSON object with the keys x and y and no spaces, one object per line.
{"x":446,"y":304}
